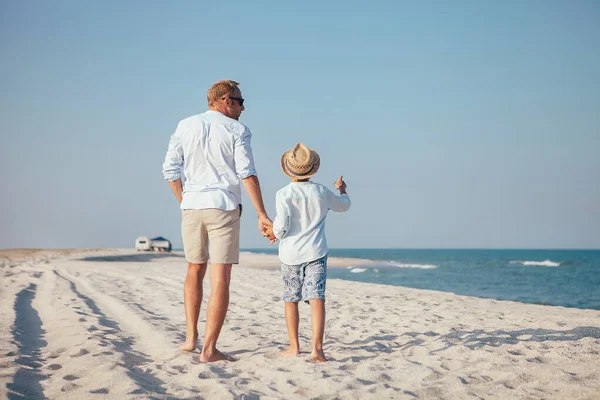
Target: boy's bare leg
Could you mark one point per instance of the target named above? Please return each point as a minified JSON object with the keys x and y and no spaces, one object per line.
{"x":317,"y":315}
{"x":192,"y":299}
{"x":292,"y":319}
{"x":218,"y":302}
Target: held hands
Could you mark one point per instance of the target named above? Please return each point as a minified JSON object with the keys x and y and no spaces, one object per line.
{"x":270,"y":235}
{"x":265,"y":226}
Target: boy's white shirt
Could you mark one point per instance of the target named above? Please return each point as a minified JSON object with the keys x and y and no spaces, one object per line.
{"x":300,"y":221}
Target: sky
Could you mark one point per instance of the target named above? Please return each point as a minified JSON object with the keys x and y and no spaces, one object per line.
{"x":463,"y":124}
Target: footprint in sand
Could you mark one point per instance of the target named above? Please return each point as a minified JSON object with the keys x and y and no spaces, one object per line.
{"x":537,"y":360}
{"x":99,"y":391}
{"x":384,"y":378}
{"x":56,"y":353}
{"x":70,"y":377}
{"x":82,"y":352}
{"x":434,"y":376}
{"x":270,"y":355}
{"x":54,"y":367}
{"x":103,"y":353}
{"x":69,"y":387}
{"x":207,"y":375}
{"x":180,"y":368}
{"x":507,"y":385}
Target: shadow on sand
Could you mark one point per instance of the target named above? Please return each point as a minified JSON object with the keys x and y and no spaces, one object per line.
{"x":28,"y":334}
{"x":141,"y":257}
{"x":479,"y":338}
{"x":471,"y":339}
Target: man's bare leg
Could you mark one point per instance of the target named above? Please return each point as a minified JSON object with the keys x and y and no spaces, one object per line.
{"x":317,"y":315}
{"x":292,"y":319}
{"x":218,"y":302}
{"x":192,"y":298}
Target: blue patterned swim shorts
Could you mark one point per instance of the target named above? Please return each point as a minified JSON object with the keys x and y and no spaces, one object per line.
{"x":304,"y":281}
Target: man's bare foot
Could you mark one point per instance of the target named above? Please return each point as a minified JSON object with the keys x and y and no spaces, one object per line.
{"x":216,"y":355}
{"x":189,"y":345}
{"x":290,"y":352}
{"x":318,"y":356}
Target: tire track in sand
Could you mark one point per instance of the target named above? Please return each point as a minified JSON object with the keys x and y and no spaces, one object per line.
{"x":111,"y":334}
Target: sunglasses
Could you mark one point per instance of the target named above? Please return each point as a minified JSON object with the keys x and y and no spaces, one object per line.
{"x":239,"y":99}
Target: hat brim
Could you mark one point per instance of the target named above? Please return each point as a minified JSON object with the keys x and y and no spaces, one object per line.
{"x":293,"y":175}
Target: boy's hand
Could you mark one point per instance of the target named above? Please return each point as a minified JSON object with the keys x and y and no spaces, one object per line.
{"x":340,"y":184}
{"x":270,"y":235}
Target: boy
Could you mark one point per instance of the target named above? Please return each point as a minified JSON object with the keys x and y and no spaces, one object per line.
{"x":302,"y":207}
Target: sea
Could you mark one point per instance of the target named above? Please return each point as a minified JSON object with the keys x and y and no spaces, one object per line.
{"x":567,"y":278}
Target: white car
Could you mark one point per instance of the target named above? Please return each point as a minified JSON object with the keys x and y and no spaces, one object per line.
{"x":143,"y":244}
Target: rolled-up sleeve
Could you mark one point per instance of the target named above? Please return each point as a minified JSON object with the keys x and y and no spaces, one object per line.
{"x":339,"y":203}
{"x":281,"y":223}
{"x":243,"y":158}
{"x":174,"y":158}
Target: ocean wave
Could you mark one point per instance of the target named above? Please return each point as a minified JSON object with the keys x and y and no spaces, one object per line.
{"x":405,"y":265}
{"x":357,"y":270}
{"x":547,"y":263}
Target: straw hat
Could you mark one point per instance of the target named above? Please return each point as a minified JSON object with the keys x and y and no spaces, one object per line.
{"x":300,"y":162}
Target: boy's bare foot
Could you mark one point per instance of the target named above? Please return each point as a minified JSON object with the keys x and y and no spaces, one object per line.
{"x":215,"y":355}
{"x":189,"y":345}
{"x":318,"y":356}
{"x":290,"y":352}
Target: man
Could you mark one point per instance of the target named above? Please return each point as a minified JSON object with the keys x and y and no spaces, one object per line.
{"x":213,"y":149}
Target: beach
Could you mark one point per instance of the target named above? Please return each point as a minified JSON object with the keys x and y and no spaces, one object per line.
{"x":107,"y":323}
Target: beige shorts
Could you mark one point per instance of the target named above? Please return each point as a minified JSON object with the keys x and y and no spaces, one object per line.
{"x":211,"y":232}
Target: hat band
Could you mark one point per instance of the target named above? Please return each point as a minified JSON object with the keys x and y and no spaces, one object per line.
{"x":296,"y":174}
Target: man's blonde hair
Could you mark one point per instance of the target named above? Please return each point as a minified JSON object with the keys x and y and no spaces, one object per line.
{"x":220,"y":89}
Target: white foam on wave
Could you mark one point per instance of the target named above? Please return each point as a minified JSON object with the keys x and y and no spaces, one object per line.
{"x":547,"y":263}
{"x":405,"y":265}
{"x":357,"y":270}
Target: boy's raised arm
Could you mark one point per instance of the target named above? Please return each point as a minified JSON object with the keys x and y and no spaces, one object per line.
{"x":342,"y":202}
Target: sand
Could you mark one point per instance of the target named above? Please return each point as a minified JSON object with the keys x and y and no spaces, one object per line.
{"x":96,"y":324}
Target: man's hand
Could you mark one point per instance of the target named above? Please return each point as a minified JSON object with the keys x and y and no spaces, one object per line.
{"x":177,"y":188}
